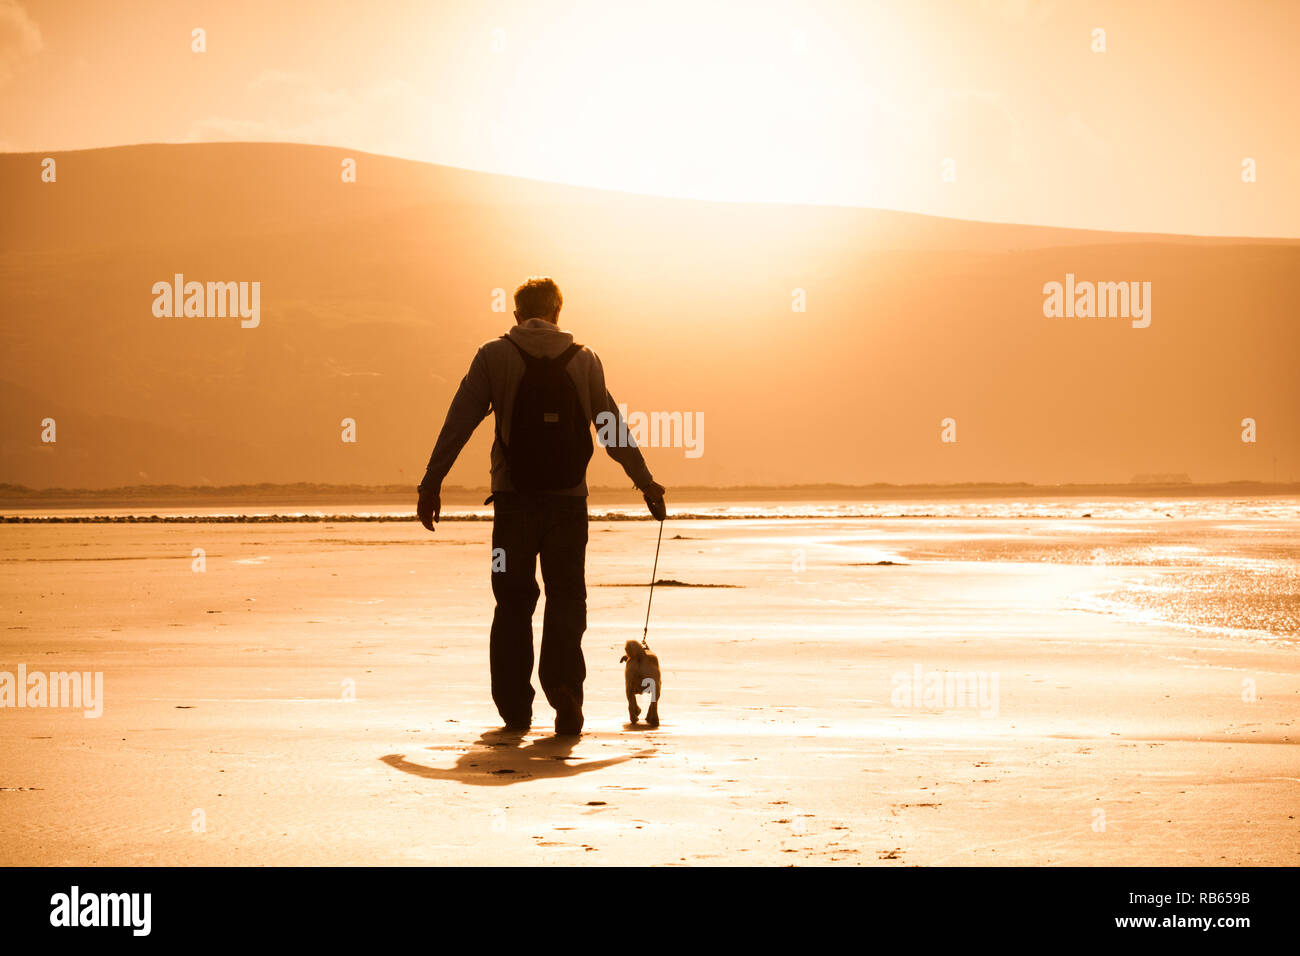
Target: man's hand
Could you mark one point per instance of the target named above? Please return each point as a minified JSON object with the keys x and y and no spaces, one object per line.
{"x":654,"y":500}
{"x":429,"y":507}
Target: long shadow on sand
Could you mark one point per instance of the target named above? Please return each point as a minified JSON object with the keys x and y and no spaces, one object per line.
{"x":499,"y":758}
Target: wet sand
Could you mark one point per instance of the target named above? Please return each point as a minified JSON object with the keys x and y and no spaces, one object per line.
{"x":227,"y":736}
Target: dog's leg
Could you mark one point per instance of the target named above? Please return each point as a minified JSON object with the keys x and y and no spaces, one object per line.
{"x":632,"y":709}
{"x":654,"y":685}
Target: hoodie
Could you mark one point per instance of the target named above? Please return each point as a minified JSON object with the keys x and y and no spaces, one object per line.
{"x":490,"y":385}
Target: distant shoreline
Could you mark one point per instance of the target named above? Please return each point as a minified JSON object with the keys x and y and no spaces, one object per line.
{"x":19,"y":497}
{"x":323,"y":504}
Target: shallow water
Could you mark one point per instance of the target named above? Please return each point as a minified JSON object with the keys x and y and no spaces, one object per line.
{"x":1227,"y":566}
{"x":1239,"y":577}
{"x":1286,"y":509}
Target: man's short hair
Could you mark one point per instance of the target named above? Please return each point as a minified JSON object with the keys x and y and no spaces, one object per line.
{"x":538,"y":297}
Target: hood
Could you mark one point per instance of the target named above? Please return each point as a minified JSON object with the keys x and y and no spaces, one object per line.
{"x":541,"y":338}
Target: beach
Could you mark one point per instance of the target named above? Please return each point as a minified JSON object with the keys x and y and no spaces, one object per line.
{"x":837,"y":690}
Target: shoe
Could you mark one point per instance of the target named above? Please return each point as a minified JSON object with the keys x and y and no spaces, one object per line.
{"x":519,"y":726}
{"x":568,"y":713}
{"x":568,"y":725}
{"x":568,"y":718}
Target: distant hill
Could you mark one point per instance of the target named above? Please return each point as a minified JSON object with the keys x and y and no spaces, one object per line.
{"x":375,"y":294}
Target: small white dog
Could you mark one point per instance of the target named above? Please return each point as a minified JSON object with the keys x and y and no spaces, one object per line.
{"x":641,"y":676}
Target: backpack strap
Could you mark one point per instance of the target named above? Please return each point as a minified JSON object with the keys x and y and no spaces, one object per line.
{"x":528,"y":359}
{"x":563,"y":358}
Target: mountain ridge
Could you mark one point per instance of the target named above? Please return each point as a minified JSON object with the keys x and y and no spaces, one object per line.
{"x":376,"y":293}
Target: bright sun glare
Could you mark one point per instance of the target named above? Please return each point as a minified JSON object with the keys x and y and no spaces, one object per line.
{"x":696,"y":103}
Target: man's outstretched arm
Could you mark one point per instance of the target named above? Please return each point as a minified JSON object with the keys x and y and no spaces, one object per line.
{"x":468,"y":408}
{"x":604,"y":409}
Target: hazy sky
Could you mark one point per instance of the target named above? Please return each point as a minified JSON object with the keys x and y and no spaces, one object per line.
{"x":849,"y":103}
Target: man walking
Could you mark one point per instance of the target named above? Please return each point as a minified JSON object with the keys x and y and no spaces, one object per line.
{"x":545,"y":391}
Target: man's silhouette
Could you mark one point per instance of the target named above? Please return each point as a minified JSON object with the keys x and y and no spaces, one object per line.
{"x":546,"y":392}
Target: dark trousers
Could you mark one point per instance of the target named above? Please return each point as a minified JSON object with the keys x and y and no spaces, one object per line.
{"x":527,"y":525}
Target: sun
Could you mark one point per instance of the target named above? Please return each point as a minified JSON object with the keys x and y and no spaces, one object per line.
{"x":693,"y":101}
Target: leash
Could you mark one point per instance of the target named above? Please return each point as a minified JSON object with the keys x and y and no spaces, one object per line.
{"x":652,"y":587}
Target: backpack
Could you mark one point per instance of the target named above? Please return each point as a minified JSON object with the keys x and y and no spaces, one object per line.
{"x":550,"y":436}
